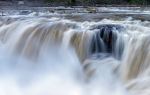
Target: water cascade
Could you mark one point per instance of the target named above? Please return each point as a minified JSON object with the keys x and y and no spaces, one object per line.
{"x":53,"y":56}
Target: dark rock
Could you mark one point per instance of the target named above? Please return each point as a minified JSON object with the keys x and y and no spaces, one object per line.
{"x":25,"y":12}
{"x":104,"y":38}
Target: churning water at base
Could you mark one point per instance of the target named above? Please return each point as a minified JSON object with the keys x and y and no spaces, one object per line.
{"x":41,"y":56}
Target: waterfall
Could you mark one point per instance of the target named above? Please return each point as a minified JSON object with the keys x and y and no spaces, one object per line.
{"x":53,"y":56}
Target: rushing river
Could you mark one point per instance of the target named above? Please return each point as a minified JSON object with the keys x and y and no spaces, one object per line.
{"x":86,"y":54}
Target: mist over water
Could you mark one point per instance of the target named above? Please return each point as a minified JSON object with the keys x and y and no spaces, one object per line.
{"x":53,"y":56}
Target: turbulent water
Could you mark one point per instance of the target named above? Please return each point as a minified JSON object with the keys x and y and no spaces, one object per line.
{"x":56,"y":56}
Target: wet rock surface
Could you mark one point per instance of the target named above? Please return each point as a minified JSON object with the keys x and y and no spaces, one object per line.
{"x":105,"y":38}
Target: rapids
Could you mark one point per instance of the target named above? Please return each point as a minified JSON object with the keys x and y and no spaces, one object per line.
{"x":57,"y":56}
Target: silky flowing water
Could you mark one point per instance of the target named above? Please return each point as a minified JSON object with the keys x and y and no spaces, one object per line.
{"x":58,"y":56}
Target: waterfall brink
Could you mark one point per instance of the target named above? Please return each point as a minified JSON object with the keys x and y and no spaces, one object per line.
{"x":35,"y":35}
{"x":53,"y":56}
